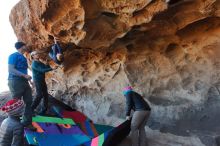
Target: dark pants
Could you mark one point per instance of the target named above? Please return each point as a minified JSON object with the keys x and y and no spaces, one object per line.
{"x":21,"y":89}
{"x":138,"y":123}
{"x":41,"y":92}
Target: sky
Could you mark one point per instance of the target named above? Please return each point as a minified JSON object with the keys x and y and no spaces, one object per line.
{"x":7,"y":40}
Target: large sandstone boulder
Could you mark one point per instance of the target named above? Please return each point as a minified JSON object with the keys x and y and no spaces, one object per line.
{"x":168,"y":50}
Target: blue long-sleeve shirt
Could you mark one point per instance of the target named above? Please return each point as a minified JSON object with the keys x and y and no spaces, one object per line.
{"x":39,"y":69}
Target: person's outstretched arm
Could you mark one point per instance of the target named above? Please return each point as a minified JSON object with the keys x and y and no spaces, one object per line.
{"x":40,"y":67}
{"x":128,"y":104}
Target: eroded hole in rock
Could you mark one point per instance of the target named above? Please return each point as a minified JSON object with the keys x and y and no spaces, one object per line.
{"x":50,"y":37}
{"x":108,"y":54}
{"x":171,"y":47}
{"x":108,"y":14}
{"x":130,"y":47}
{"x":63,"y":33}
{"x":172,"y":2}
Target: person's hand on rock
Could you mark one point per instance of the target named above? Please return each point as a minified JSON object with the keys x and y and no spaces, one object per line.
{"x":56,"y":40}
{"x":54,"y":67}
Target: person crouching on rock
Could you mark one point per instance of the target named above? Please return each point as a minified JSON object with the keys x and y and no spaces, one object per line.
{"x":136,"y":102}
{"x":56,"y":52}
{"x":11,"y":130}
{"x":38,"y":70}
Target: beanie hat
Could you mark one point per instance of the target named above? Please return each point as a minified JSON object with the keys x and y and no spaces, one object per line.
{"x":18,"y":45}
{"x":127,"y":89}
{"x":14,"y":107}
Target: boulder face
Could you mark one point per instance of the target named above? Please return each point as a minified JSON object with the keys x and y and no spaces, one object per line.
{"x":167,"y":50}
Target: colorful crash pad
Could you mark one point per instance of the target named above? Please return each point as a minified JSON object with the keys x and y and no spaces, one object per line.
{"x":49,"y":128}
{"x":76,"y":116}
{"x":98,"y":141}
{"x":79,"y":131}
{"x":44,"y":119}
{"x":85,"y":124}
{"x":42,"y":139}
{"x":88,"y":128}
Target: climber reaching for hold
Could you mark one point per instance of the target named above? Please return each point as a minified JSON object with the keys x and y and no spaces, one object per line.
{"x":38,"y":70}
{"x":56,"y":52}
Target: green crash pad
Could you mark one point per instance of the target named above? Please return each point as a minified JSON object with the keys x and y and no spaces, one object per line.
{"x":43,"y":119}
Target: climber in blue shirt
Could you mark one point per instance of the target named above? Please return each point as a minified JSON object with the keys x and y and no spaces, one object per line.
{"x":56,"y":52}
{"x":38,"y":70}
{"x":18,"y":81}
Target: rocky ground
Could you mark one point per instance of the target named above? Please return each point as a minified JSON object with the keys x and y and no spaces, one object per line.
{"x":156,"y":138}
